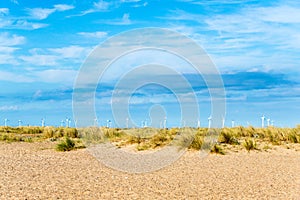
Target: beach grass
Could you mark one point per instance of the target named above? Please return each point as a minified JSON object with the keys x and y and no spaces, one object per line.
{"x":217,"y":140}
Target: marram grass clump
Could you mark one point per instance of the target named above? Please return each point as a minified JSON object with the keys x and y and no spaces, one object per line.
{"x":66,"y":145}
{"x":250,"y":144}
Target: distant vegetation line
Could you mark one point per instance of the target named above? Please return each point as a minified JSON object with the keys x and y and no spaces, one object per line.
{"x":234,"y":139}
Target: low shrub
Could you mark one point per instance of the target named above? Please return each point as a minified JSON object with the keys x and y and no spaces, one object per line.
{"x":217,"y":149}
{"x":249,"y":144}
{"x":66,"y":145}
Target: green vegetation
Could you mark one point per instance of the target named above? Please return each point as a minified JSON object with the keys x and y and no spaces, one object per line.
{"x":216,"y":140}
{"x":249,"y":144}
{"x":217,"y":149}
{"x":65,"y":145}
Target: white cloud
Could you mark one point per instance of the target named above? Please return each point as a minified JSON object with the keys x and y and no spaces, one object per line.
{"x":130,"y":1}
{"x":124,"y":21}
{"x":4,"y":49}
{"x":8,"y":108}
{"x":13,"y":77}
{"x":56,"y":56}
{"x":63,"y":7}
{"x":43,"y":13}
{"x":4,"y":11}
{"x":24,"y":24}
{"x":40,"y":60}
{"x":7,"y":39}
{"x":9,"y":23}
{"x":75,"y":52}
{"x":251,"y":36}
{"x":99,"y":6}
{"x":98,"y":34}
{"x":15,"y":2}
{"x":7,"y":47}
{"x":40,"y":13}
{"x":140,"y":5}
{"x":46,"y":76}
{"x":56,"y":76}
{"x":279,"y":14}
{"x":7,"y":58}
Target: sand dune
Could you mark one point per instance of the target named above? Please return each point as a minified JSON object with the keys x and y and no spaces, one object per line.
{"x":36,"y":171}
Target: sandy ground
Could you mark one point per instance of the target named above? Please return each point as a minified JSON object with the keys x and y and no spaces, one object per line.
{"x":35,"y":171}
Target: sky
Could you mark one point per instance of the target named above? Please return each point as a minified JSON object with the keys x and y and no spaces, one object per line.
{"x":255,"y":46}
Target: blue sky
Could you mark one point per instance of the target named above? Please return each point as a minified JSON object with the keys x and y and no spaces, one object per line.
{"x":254,"y":44}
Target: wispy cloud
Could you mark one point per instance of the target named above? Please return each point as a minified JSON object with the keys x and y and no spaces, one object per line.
{"x":8,"y":45}
{"x":125,"y":20}
{"x":40,"y":60}
{"x":8,"y":108}
{"x":97,"y":34}
{"x":75,"y":52}
{"x":43,"y":13}
{"x":63,"y":7}
{"x":9,"y":23}
{"x":43,"y":76}
{"x":55,"y":56}
{"x":56,"y":76}
{"x":7,"y":39}
{"x":13,"y":77}
{"x":15,"y":2}
{"x":129,"y":1}
{"x":250,"y":36}
{"x":99,"y":6}
{"x":4,"y":11}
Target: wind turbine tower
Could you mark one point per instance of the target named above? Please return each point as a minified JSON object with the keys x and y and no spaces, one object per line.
{"x":43,"y":122}
{"x":95,"y":122}
{"x":232,"y":123}
{"x":165,"y":122}
{"x":108,"y":123}
{"x":127,"y":120}
{"x":263,"y":121}
{"x":62,"y":123}
{"x":209,"y":121}
{"x":198,"y":124}
{"x":5,"y":122}
{"x":223,"y":122}
{"x":19,"y":123}
{"x":68,"y":122}
{"x":268,"y":121}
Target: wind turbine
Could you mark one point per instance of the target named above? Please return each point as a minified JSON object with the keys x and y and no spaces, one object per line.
{"x":232,"y":123}
{"x":142,"y":124}
{"x":263,"y":121}
{"x":19,"y":123}
{"x":268,"y":120}
{"x":127,"y":120}
{"x":108,"y":123}
{"x":95,"y":122}
{"x":68,"y":121}
{"x":43,"y":122}
{"x":223,"y":121}
{"x":75,"y":122}
{"x":198,"y":123}
{"x":165,"y":122}
{"x":272,"y":123}
{"x":5,"y":122}
{"x":62,"y":122}
{"x":209,"y":121}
